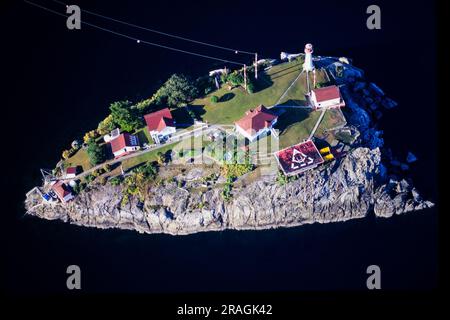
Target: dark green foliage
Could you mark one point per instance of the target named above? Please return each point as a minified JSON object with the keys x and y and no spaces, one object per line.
{"x":178,"y":90}
{"x":250,"y":87}
{"x":235,"y":78}
{"x":125,"y":115}
{"x":205,"y":84}
{"x":95,"y":153}
{"x":89,"y":178}
{"x":115,"y":181}
{"x":76,"y":189}
{"x":148,"y":169}
{"x":282,"y":179}
{"x":226,"y":192}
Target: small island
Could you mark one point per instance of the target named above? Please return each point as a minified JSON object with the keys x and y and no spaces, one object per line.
{"x":281,"y":143}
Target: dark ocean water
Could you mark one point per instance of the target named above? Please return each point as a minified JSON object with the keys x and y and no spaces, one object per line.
{"x":64,"y":81}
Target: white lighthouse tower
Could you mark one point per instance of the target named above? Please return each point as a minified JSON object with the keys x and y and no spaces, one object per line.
{"x":308,"y":64}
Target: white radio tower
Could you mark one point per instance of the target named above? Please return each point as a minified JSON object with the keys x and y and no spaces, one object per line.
{"x":308,"y":64}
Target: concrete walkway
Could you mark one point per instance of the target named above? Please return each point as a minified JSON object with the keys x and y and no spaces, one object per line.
{"x":287,"y":90}
{"x":313,"y":131}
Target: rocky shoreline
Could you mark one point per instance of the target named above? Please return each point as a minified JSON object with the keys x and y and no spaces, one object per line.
{"x":351,"y":187}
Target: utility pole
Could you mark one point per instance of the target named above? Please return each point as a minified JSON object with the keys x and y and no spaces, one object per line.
{"x":256,"y":66}
{"x":308,"y":88}
{"x":245,"y":77}
{"x":314,"y":74}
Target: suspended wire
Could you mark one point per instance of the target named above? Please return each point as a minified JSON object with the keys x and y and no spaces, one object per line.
{"x":136,"y":39}
{"x":159,"y":32}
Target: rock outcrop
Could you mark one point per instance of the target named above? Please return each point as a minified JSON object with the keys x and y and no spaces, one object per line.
{"x":349,"y":188}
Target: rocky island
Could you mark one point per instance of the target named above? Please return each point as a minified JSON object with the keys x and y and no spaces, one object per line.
{"x":168,"y":177}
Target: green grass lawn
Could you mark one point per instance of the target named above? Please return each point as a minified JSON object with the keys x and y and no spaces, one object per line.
{"x":269,"y":88}
{"x":331,"y":119}
{"x":144,"y":136}
{"x":80,"y":158}
{"x":295,"y":125}
{"x":296,"y":94}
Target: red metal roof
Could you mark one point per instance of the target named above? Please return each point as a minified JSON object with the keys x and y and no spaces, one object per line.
{"x":327,"y":93}
{"x":159,"y":120}
{"x":61,"y":190}
{"x":71,"y":170}
{"x":122,"y":141}
{"x":256,"y":119}
{"x":299,"y":157}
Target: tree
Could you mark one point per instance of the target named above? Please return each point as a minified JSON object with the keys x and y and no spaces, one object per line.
{"x":148,"y":170}
{"x":178,"y":89}
{"x":91,"y":135}
{"x":235,"y":78}
{"x":214,"y":99}
{"x":95,"y":153}
{"x":106,"y":126}
{"x":115,"y":181}
{"x":160,"y":158}
{"x":126,"y":117}
{"x":205,"y":84}
{"x":89,"y":178}
{"x":67,"y":154}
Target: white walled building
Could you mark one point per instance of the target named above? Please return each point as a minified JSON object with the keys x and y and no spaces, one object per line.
{"x":256,"y":122}
{"x":124,"y":144}
{"x":160,"y":124}
{"x":326,"y":97}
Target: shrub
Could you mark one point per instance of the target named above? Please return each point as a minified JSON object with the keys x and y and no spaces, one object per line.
{"x":90,"y":135}
{"x":102,"y":180}
{"x":125,"y":200}
{"x":76,"y":144}
{"x":160,"y":158}
{"x":250,"y":87}
{"x":235,"y":78}
{"x":236,"y":170}
{"x":89,"y":178}
{"x":226,"y":192}
{"x":115,"y":181}
{"x":214,"y":99}
{"x":68,"y":153}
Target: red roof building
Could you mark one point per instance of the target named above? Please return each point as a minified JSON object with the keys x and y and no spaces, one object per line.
{"x":62,"y":191}
{"x":124,"y":144}
{"x":160,"y":124}
{"x":71,"y":172}
{"x":326,"y":97}
{"x":256,"y":122}
{"x":299,"y":158}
